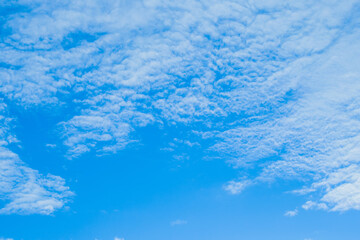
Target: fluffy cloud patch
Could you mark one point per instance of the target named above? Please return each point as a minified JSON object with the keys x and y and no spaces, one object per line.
{"x":178,"y":222}
{"x":24,"y":190}
{"x":291,"y":213}
{"x":316,"y":136}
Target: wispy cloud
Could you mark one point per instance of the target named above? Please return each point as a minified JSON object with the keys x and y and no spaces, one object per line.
{"x":26,"y":191}
{"x":49,"y":145}
{"x":23,"y":189}
{"x":178,"y":222}
{"x":236,"y":187}
{"x":314,"y":136}
{"x":291,"y":213}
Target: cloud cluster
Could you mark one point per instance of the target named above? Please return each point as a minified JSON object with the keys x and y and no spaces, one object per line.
{"x":315,"y":137}
{"x":264,"y":79}
{"x":23,"y":189}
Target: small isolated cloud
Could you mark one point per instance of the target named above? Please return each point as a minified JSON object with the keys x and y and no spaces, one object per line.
{"x":235,"y":187}
{"x":310,"y":205}
{"x":49,"y":145}
{"x":292,"y":213}
{"x":178,"y":222}
{"x":116,"y":238}
{"x":6,"y":238}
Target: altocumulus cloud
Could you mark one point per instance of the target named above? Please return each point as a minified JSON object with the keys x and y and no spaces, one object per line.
{"x":261,"y":79}
{"x":25,"y":190}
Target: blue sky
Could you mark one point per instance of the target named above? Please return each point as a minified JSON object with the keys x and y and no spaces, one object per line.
{"x":133,"y":120}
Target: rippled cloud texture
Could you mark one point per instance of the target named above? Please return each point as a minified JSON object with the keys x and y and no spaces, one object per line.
{"x":274,"y":85}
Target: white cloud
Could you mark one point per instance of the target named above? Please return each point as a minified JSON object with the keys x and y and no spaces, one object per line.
{"x":24,"y":190}
{"x":236,"y":187}
{"x":315,"y":137}
{"x":108,"y":122}
{"x":314,"y":205}
{"x":267,"y":79}
{"x":291,"y":213}
{"x":49,"y":145}
{"x":178,"y":222}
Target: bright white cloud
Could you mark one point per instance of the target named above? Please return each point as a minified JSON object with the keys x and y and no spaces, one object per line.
{"x":316,"y":136}
{"x":236,"y":187}
{"x":291,"y":213}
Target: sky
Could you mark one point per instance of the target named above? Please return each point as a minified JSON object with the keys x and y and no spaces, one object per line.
{"x":173,"y":120}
